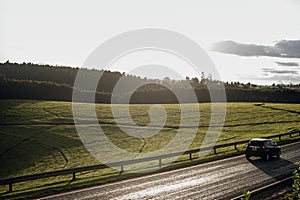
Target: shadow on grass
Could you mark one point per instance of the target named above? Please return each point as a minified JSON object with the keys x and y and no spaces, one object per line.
{"x":280,"y":109}
{"x":41,"y":144}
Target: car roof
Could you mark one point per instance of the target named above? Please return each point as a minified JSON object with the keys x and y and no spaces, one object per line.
{"x":260,"y":139}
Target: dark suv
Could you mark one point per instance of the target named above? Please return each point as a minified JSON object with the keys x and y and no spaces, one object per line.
{"x":261,"y":147}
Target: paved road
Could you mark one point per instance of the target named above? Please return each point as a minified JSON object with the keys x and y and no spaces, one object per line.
{"x":221,"y":179}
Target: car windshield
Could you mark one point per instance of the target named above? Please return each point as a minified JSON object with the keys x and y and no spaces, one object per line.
{"x":256,"y":143}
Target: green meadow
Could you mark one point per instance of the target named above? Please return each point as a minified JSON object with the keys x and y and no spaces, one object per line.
{"x":39,"y":136}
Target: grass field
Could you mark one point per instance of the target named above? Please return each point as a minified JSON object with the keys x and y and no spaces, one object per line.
{"x":38,"y":136}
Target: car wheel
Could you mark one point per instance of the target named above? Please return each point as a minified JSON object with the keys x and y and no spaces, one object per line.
{"x":278,"y":154}
{"x":267,"y":156}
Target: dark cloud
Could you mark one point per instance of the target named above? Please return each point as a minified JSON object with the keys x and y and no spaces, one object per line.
{"x":283,"y":49}
{"x":287,"y":64}
{"x":275,"y":71}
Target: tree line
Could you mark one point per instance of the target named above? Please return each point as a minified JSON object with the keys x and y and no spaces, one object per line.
{"x":45,"y":82}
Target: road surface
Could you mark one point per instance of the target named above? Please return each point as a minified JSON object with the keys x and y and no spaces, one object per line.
{"x":221,"y":179}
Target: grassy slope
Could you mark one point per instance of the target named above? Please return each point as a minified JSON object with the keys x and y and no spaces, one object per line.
{"x":37,"y":136}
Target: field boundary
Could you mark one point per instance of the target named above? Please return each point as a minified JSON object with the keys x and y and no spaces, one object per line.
{"x":121,"y":164}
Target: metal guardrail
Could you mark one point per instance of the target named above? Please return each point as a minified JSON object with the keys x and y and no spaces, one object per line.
{"x":73,"y":171}
{"x":266,"y":188}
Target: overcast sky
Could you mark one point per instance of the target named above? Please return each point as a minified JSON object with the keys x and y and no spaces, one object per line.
{"x":249,"y":41}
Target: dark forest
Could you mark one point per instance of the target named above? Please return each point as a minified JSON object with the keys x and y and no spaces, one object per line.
{"x":45,"y":82}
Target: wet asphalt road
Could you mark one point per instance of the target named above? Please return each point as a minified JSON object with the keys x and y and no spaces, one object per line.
{"x":221,"y":179}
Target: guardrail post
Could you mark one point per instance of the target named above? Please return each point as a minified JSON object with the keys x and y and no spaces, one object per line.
{"x":74,"y":176}
{"x":191,"y":156}
{"x":290,"y":134}
{"x":215,"y":150}
{"x":235,"y":147}
{"x":10,"y":187}
{"x":159,"y":163}
{"x":122,"y":168}
{"x":279,"y":137}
